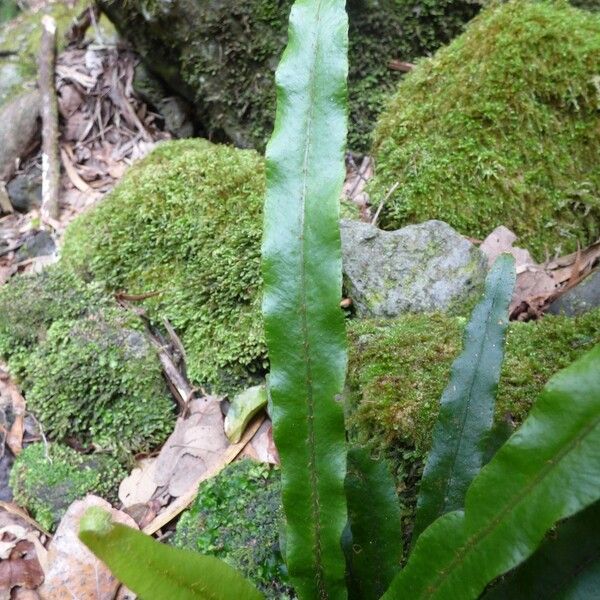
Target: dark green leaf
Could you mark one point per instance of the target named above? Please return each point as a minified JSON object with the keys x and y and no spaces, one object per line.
{"x":547,"y":471}
{"x":467,"y":404}
{"x":565,"y":562}
{"x":155,"y":571}
{"x":374,"y":515}
{"x":302,"y":271}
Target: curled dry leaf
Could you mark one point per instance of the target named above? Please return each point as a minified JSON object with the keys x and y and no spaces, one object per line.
{"x":262,"y":446}
{"x":73,"y":571}
{"x":243,"y":408}
{"x":538,"y":285}
{"x":21,"y":568}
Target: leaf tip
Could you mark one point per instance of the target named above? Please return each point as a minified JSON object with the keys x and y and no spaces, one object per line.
{"x":96,"y":521}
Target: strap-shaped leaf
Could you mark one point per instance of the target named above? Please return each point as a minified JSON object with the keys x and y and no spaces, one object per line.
{"x":155,"y":571}
{"x":568,"y":560}
{"x":467,"y":404}
{"x":374,"y":515}
{"x":302,"y":291}
{"x":547,"y":471}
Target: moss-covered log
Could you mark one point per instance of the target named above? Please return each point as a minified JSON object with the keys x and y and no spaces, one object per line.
{"x":222,"y":54}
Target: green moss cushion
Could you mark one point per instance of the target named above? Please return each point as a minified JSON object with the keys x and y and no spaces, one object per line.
{"x":236,"y":517}
{"x":398,"y":370}
{"x":186,"y":222}
{"x":30,"y":304}
{"x":496,"y":130}
{"x":97,"y":380}
{"x":46,"y":479}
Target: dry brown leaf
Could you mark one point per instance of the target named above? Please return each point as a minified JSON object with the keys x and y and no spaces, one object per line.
{"x":140,"y":486}
{"x":73,"y":571}
{"x":502,"y":240}
{"x":21,"y":568}
{"x":195,"y":447}
{"x":181,"y":503}
{"x":262,"y":446}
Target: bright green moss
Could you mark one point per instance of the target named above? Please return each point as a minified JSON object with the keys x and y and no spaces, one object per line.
{"x":47,"y":479}
{"x":495,"y":130}
{"x":236,"y":517}
{"x":97,"y":380}
{"x":30,"y":304}
{"x":399,"y":369}
{"x":8,"y":10}
{"x":186,"y":222}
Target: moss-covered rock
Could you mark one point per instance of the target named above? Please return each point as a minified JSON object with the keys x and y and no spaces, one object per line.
{"x":87,"y":369}
{"x":222,"y":54}
{"x":186,"y":222}
{"x":20,"y":44}
{"x":30,"y":304}
{"x":97,"y":381}
{"x":46,"y":479}
{"x":236,"y":517}
{"x":495,"y":130}
{"x":398,"y":370}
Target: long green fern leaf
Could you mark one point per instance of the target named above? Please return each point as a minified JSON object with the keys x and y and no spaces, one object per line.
{"x":467,"y":404}
{"x":567,"y":560}
{"x":302,"y":291}
{"x":375,"y":551}
{"x":547,"y":471}
{"x":156,"y":571}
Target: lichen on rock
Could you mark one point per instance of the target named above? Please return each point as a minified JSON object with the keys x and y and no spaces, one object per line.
{"x":46,"y":479}
{"x":20,"y":44}
{"x":494,"y":130}
{"x":236,"y":517}
{"x":419,"y":268}
{"x":186,"y":222}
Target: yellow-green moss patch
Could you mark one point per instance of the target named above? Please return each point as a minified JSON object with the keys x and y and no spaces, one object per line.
{"x":186,"y":222}
{"x":46,"y":479}
{"x":398,"y":370}
{"x":495,"y":129}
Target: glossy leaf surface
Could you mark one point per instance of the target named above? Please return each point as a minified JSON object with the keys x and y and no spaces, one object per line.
{"x":467,"y":404}
{"x":302,"y":292}
{"x":374,"y":515}
{"x":567,"y":561}
{"x":155,"y":571}
{"x":547,"y":471}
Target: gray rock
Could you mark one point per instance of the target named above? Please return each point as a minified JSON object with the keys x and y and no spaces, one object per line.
{"x":419,"y":268}
{"x":18,"y":129}
{"x":40,"y":243}
{"x":25,"y":190}
{"x":580,"y":299}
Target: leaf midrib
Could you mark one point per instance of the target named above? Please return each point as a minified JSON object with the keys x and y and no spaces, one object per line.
{"x":314,"y":480}
{"x":495,"y":301}
{"x":477,"y":537}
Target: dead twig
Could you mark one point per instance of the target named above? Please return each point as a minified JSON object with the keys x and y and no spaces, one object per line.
{"x":401,"y":65}
{"x":50,"y":156}
{"x":387,"y":197}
